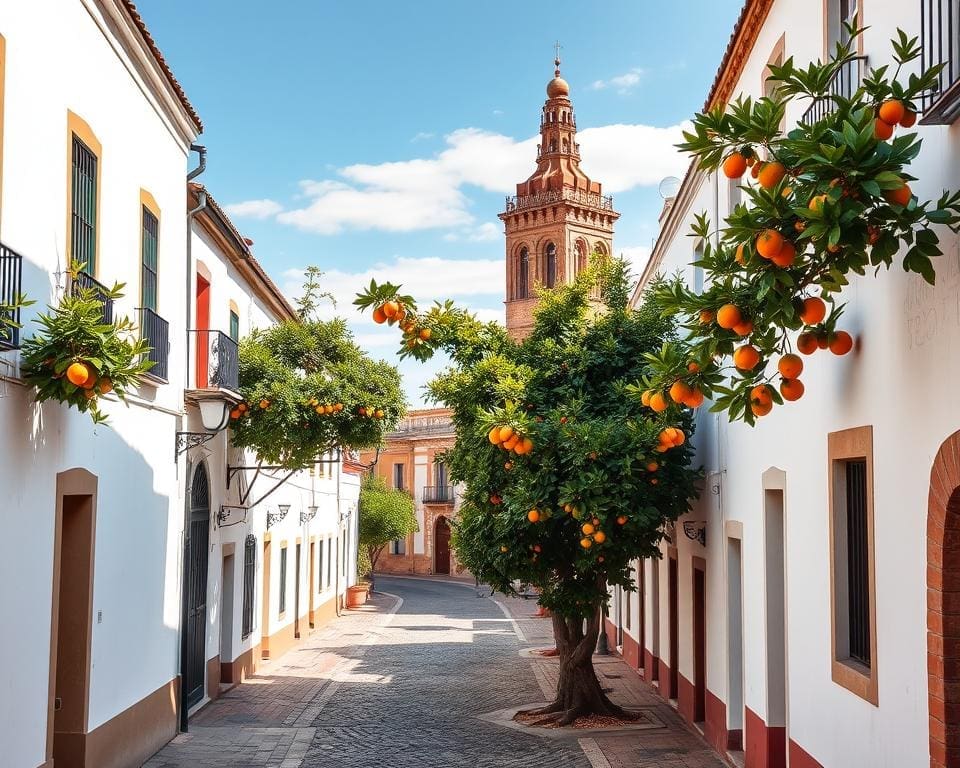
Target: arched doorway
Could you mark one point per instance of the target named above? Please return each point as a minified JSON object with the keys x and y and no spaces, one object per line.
{"x":943,"y":611}
{"x":193,"y":665}
{"x":441,"y":546}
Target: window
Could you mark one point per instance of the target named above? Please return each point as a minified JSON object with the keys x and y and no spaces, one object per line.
{"x":839,"y":13}
{"x":441,"y":474}
{"x":234,"y":326}
{"x":148,"y":260}
{"x":83,"y":197}
{"x":940,"y":42}
{"x":398,"y":547}
{"x":398,"y":476}
{"x":329,"y":562}
{"x":853,"y":597}
{"x":523,"y":271}
{"x":249,"y":572}
{"x":320,"y":568}
{"x":283,"y":580}
{"x":551,"y":266}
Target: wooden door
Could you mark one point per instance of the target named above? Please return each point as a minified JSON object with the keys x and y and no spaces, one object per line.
{"x":673,"y":607}
{"x":202,"y":335}
{"x":194,"y":666}
{"x":699,"y":645}
{"x":296,"y":593}
{"x":441,"y":546}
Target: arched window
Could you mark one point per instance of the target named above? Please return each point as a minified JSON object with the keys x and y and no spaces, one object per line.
{"x":523,"y":270}
{"x":551,"y":280}
{"x":580,"y":250}
{"x":553,"y":145}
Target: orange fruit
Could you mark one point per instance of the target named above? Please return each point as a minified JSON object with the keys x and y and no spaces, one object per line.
{"x":658,"y":402}
{"x":790,"y":366}
{"x":908,"y":119}
{"x":242,"y":407}
{"x":900,"y":196}
{"x":506,"y":433}
{"x":693,"y":367}
{"x":791,"y":389}
{"x":587,"y":528}
{"x":739,"y":257}
{"x":78,"y":373}
{"x":816,"y":203}
{"x":390,"y":309}
{"x":814,"y":310}
{"x":785,"y":257}
{"x":527,"y":445}
{"x":338,"y":407}
{"x":91,"y":380}
{"x":841,"y":343}
{"x":769,"y":243}
{"x":89,"y":394}
{"x":746,"y":358}
{"x":680,"y":391}
{"x":599,"y":537}
{"x":319,"y":409}
{"x":882,"y":129}
{"x":706,"y":316}
{"x":362,"y":411}
{"x":695,"y":400}
{"x":379,"y":316}
{"x":508,"y":465}
{"x":425,"y":334}
{"x":755,"y":170}
{"x":504,"y":548}
{"x":770,"y":174}
{"x":799,"y":226}
{"x":509,"y":443}
{"x":533,"y":515}
{"x":107,"y":386}
{"x":891,"y":111}
{"x":586,"y":543}
{"x":728,"y":316}
{"x":822,"y":341}
{"x":761,"y":410}
{"x":645,"y":397}
{"x":378,"y":414}
{"x":235,"y":414}
{"x":734,"y":166}
{"x":264,"y":404}
{"x":807,"y":343}
{"x":621,"y":520}
{"x":653,"y":466}
{"x":760,"y":395}
{"x":743,"y":328}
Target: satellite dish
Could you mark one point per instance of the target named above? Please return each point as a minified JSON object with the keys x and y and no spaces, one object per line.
{"x":669,"y":187}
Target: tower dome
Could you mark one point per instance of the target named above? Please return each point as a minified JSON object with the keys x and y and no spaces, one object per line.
{"x":558,"y":87}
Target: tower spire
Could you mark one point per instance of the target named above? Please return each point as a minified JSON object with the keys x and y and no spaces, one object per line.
{"x":556,"y":59}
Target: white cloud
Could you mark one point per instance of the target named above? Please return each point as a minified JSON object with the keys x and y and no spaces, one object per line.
{"x":431,"y":193}
{"x":484,"y":233}
{"x":254,"y":209}
{"x":422,"y":136}
{"x":623,"y":84}
{"x":636,"y":256}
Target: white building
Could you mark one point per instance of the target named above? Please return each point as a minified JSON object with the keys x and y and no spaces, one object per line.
{"x":751,"y":631}
{"x":98,"y":520}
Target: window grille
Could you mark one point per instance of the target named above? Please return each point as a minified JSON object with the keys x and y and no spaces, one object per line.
{"x":249,"y":573}
{"x":83,"y":229}
{"x":283,"y":580}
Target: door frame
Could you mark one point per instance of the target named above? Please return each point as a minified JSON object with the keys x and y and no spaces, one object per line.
{"x":72,"y":482}
{"x":185,"y":608}
{"x":673,"y":623}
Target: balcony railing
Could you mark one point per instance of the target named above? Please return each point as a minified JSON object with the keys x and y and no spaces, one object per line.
{"x":940,"y":42}
{"x":217,"y":361}
{"x":438,"y":494}
{"x":83,"y":281}
{"x":156,"y":332}
{"x":844,"y":84}
{"x":515,"y":203}
{"x":11,"y":275}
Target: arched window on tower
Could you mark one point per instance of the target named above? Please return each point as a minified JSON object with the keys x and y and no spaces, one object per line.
{"x":551,"y":271}
{"x":566,"y":145}
{"x":523,"y":271}
{"x":553,"y":145}
{"x":580,"y":251}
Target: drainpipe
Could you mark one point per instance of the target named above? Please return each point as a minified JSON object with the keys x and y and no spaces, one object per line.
{"x":336,"y":591}
{"x":185,"y":554}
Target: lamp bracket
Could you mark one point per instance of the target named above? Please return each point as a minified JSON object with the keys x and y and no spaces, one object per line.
{"x":696,"y":530}
{"x":228,"y":509}
{"x":187,"y":440}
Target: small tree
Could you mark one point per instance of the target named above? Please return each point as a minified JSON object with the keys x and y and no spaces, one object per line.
{"x":386,"y":514}
{"x":568,"y":479}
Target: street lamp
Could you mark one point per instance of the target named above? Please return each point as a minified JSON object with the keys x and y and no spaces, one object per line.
{"x":276,"y":517}
{"x":214,"y":417}
{"x":214,"y":414}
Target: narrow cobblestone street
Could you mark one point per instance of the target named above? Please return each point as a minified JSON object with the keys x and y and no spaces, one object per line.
{"x":413,"y":673}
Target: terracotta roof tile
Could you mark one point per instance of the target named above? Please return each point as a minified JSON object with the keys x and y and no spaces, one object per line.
{"x":742,"y":39}
{"x":165,"y":68}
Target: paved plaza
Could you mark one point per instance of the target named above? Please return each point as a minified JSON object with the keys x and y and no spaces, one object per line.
{"x":416,"y":675}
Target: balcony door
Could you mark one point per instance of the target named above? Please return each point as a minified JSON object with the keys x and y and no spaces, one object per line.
{"x":441,"y":546}
{"x":202,"y":331}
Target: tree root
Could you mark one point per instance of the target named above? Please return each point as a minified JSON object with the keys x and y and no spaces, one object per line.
{"x":552,"y":708}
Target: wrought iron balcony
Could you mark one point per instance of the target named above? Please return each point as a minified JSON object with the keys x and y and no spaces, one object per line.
{"x":438,"y":494}
{"x":11,"y":275}
{"x":156,"y":332}
{"x":217,"y":360}
{"x":83,"y":281}
{"x":940,"y":43}
{"x":547,"y":197}
{"x":844,"y":84}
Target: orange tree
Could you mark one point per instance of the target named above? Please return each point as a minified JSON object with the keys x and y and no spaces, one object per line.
{"x":832,"y":196}
{"x":308,"y":389}
{"x":568,"y":480}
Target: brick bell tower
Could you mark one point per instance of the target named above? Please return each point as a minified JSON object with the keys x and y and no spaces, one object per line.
{"x":559,"y":216}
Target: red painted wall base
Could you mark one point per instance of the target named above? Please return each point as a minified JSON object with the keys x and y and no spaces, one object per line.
{"x":799,"y":758}
{"x":766,"y":747}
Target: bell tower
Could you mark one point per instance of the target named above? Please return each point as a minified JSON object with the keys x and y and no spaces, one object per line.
{"x":559,"y":216}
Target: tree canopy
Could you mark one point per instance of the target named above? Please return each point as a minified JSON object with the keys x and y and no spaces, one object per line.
{"x":386,"y":514}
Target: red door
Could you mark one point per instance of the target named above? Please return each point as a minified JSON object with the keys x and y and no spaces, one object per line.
{"x":699,"y":646}
{"x":202,"y":336}
{"x":441,"y":546}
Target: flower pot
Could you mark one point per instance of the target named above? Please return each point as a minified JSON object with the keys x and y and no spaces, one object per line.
{"x":356,"y":596}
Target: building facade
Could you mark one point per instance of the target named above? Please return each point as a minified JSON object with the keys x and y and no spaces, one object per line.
{"x":143,"y":569}
{"x":411,"y":461}
{"x":559,"y":216}
{"x":745,"y":620}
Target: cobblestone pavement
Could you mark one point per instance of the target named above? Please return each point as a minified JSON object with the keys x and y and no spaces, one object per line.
{"x":406,"y":689}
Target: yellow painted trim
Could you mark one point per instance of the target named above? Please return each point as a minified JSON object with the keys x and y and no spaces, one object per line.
{"x":149,"y":202}
{"x":3,"y":73}
{"x":234,"y":308}
{"x":77,"y":126}
{"x":204,"y":271}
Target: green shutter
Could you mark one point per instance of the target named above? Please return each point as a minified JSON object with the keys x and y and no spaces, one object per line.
{"x":234,"y":326}
{"x":83,"y":229}
{"x":149,"y":261}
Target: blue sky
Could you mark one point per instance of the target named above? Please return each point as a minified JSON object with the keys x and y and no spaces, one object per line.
{"x":374,"y":138}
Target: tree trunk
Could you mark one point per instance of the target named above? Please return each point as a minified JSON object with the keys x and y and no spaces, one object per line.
{"x":578,"y":691}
